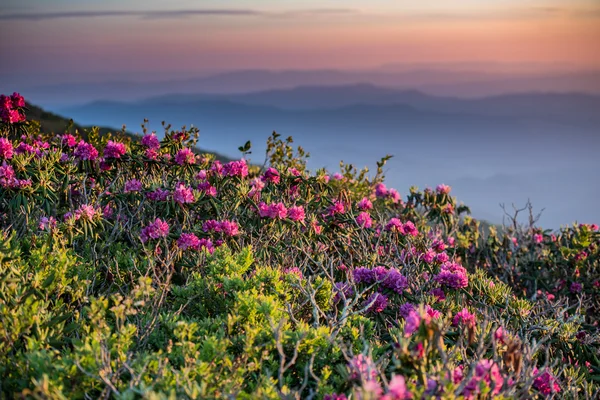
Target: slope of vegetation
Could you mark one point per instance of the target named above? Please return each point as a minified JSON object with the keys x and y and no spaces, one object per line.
{"x":139,"y":269}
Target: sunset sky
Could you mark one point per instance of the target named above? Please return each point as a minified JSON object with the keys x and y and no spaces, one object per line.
{"x":84,"y":37}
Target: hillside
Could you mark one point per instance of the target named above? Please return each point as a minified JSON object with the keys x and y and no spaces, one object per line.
{"x":57,"y":124}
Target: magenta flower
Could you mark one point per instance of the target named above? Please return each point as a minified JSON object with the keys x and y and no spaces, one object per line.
{"x":443,"y":189}
{"x":364,"y":220}
{"x":132,"y":186}
{"x":409,"y":228}
{"x":85,"y":212}
{"x":183,"y":194}
{"x":85,"y":151}
{"x":378,"y":302}
{"x":465,"y":318}
{"x":381,"y":191}
{"x":394,"y":225}
{"x":236,"y":168}
{"x":6,"y":148}
{"x":336,"y":208}
{"x":155,"y":230}
{"x":394,"y":195}
{"x":114,"y":150}
{"x":273,"y":211}
{"x":185,"y":156}
{"x":397,"y":389}
{"x":413,"y":321}
{"x":7,"y":175}
{"x":296,"y":213}
{"x":364,"y":204}
{"x":68,"y":140}
{"x":271,"y":175}
{"x":545,"y":382}
{"x":537,"y":238}
{"x":452,"y":275}
{"x":486,"y":371}
{"x":151,"y":141}
{"x":229,"y":228}
{"x":188,"y":241}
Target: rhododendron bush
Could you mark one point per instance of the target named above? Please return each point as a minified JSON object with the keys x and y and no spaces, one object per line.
{"x":139,"y":268}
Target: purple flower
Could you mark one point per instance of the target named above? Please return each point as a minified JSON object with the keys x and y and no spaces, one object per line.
{"x":394,"y":225}
{"x":185,"y":156}
{"x":452,"y":275}
{"x":236,"y":168}
{"x":364,"y":220}
{"x":133,"y":185}
{"x":188,"y":241}
{"x":114,"y":150}
{"x":271,"y":175}
{"x":465,"y":318}
{"x":155,"y":230}
{"x":413,"y":321}
{"x":85,"y":151}
{"x":183,"y":194}
{"x":576,"y":287}
{"x":151,"y":141}
{"x":364,"y":275}
{"x":158,"y":195}
{"x":336,"y":208}
{"x":378,"y":302}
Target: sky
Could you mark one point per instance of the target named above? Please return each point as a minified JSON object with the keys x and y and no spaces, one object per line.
{"x":76,"y":38}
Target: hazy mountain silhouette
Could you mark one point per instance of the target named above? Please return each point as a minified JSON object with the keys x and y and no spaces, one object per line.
{"x":460,"y":83}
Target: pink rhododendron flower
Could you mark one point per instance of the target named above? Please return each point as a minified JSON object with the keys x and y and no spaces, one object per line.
{"x":381,"y":190}
{"x":183,"y":194}
{"x":465,"y":318}
{"x":545,"y":382}
{"x":236,"y":168}
{"x":397,"y":389}
{"x":185,"y":156}
{"x":155,"y":230}
{"x":151,"y":141}
{"x":85,"y":151}
{"x":394,"y":225}
{"x":378,"y":302}
{"x":443,"y":189}
{"x":132,"y":186}
{"x":364,"y":220}
{"x":114,"y":150}
{"x":537,"y":238}
{"x":85,"y":212}
{"x":69,"y":140}
{"x":6,"y":148}
{"x":188,"y":241}
{"x":271,"y":175}
{"x":413,"y":321}
{"x":409,"y":228}
{"x":336,"y":208}
{"x":452,"y":275}
{"x":296,"y":213}
{"x":364,"y":204}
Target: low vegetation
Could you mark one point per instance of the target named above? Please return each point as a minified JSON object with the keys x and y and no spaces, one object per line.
{"x":140,"y":269}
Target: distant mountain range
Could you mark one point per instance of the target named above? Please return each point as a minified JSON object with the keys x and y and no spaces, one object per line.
{"x":434,"y":81}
